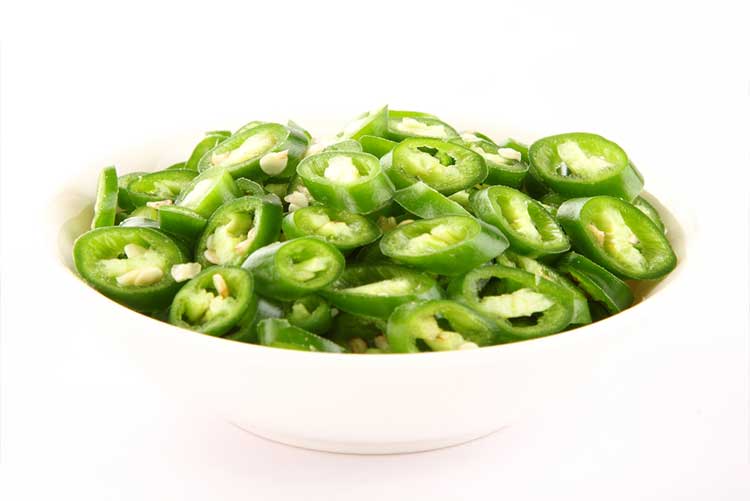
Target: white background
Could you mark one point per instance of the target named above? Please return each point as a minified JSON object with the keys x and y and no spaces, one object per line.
{"x":666,"y":416}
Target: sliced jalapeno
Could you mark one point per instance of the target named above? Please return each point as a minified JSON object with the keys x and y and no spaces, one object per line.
{"x":123,"y":199}
{"x":214,"y":301}
{"x":238,"y":228}
{"x":617,"y":236}
{"x":405,"y":124}
{"x":376,"y":290}
{"x":349,"y":181}
{"x":449,"y":245}
{"x":378,"y":146}
{"x":582,"y":164}
{"x":157,"y":186}
{"x":423,"y":201}
{"x":247,"y":330}
{"x":208,"y":191}
{"x":279,"y":333}
{"x":644,"y":206}
{"x":374,"y":123}
{"x":520,"y":147}
{"x":105,"y":206}
{"x":258,"y":151}
{"x":359,"y":334}
{"x":294,"y":268}
{"x":311,"y":313}
{"x":345,"y":230}
{"x":524,"y":305}
{"x":581,"y":313}
{"x":530,"y":229}
{"x":447,"y":167}
{"x":438,"y":325}
{"x":249,"y":187}
{"x":212,"y":139}
{"x":504,"y":165}
{"x":181,"y":221}
{"x":599,"y":284}
{"x":129,"y":265}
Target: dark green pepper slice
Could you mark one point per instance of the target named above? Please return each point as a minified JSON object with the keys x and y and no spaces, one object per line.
{"x":247,"y":330}
{"x":373,"y":123}
{"x":405,"y":124}
{"x":617,"y":236}
{"x":422,"y":200}
{"x":343,"y":229}
{"x":599,"y":284}
{"x":582,"y":164}
{"x":504,"y":165}
{"x":105,"y":206}
{"x":378,"y":146}
{"x":447,"y":167}
{"x":348,"y":181}
{"x":123,"y":199}
{"x":208,"y":191}
{"x":129,"y":265}
{"x":279,"y":333}
{"x":249,"y":187}
{"x":438,"y":325}
{"x":376,"y":290}
{"x":258,"y":151}
{"x":212,"y":139}
{"x":530,"y":229}
{"x":644,"y":206}
{"x":524,"y":305}
{"x":359,"y":334}
{"x":449,"y":245}
{"x":581,"y":313}
{"x":294,"y":268}
{"x":311,"y":313}
{"x":181,"y":221}
{"x":158,"y":186}
{"x":237,"y":229}
{"x":214,"y":301}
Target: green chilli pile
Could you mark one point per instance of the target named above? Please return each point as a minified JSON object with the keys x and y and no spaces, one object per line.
{"x":397,"y":235}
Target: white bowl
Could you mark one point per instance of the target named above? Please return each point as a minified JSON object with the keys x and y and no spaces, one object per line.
{"x":370,"y":404}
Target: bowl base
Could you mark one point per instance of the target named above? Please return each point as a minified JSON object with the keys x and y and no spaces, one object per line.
{"x":364,"y":448}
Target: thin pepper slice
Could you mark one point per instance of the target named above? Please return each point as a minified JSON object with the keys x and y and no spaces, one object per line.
{"x":439,"y":325}
{"x":617,"y":236}
{"x":424,"y":201}
{"x":581,"y":312}
{"x":343,"y":229}
{"x":279,"y":333}
{"x":105,"y":206}
{"x":530,"y":229}
{"x":644,"y":206}
{"x":212,"y":139}
{"x":405,"y":124}
{"x":123,"y":199}
{"x":158,"y":186}
{"x":599,"y":284}
{"x":374,"y":123}
{"x":524,"y":305}
{"x":208,"y":191}
{"x":449,"y":245}
{"x":445,"y":166}
{"x":214,"y":301}
{"x":181,"y":221}
{"x":258,"y":151}
{"x":129,"y":265}
{"x":504,"y":165}
{"x":359,"y":334}
{"x":378,"y":146}
{"x":246,"y":331}
{"x":312,"y":313}
{"x":376,"y":290}
{"x":249,"y":187}
{"x":294,"y":268}
{"x":581,"y":164}
{"x":348,"y":181}
{"x":236,"y":229}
